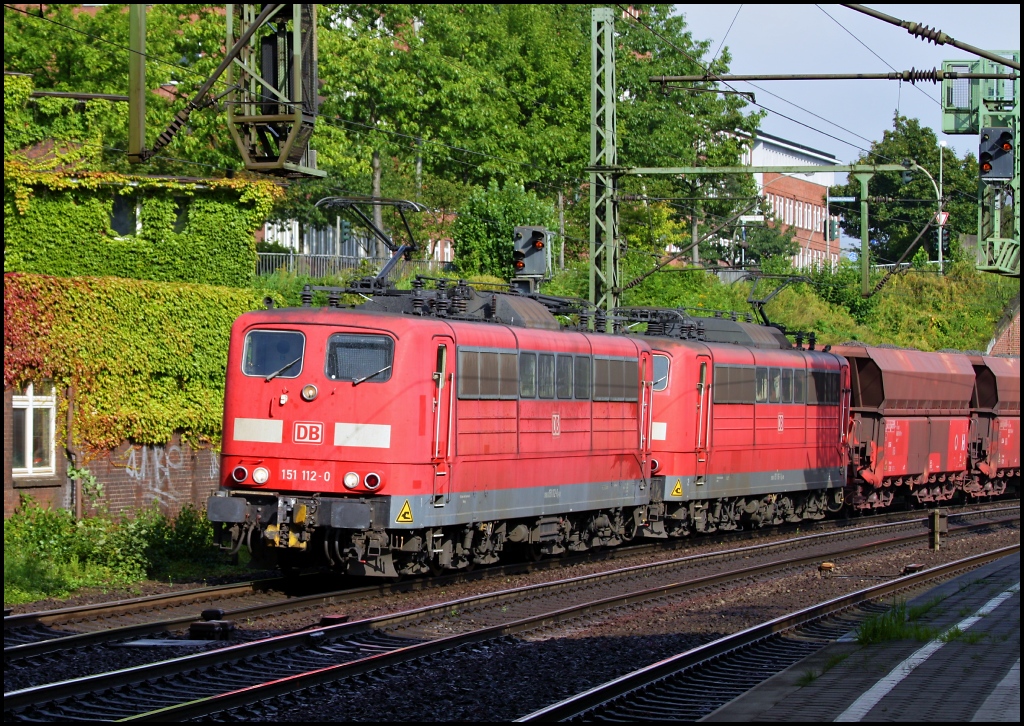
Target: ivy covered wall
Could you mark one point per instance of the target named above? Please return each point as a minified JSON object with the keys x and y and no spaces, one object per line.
{"x":142,"y":360}
{"x":60,"y":223}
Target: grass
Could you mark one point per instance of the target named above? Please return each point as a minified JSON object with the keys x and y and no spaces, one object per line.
{"x":893,"y":624}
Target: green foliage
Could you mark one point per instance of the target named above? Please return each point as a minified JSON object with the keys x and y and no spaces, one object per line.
{"x":144,"y":359}
{"x":60,"y":224}
{"x":896,"y":222}
{"x":47,"y":553}
{"x":87,"y":52}
{"x":91,"y":487}
{"x":483,"y":230}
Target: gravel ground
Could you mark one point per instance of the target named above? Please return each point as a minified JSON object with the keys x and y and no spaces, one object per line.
{"x":504,"y":681}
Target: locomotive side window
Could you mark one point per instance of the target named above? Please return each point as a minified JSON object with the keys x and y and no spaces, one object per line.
{"x":798,"y":386}
{"x":582,"y":365}
{"x":359,"y":358}
{"x":487,"y":374}
{"x":774,"y":385}
{"x":546,"y":376}
{"x":787,"y":386}
{"x":509,"y":375}
{"x":734,"y":384}
{"x":469,"y":374}
{"x":761,"y":392}
{"x":563,"y":376}
{"x":616,"y":380}
{"x":276,"y":353}
{"x":823,"y":388}
{"x":527,"y":375}
{"x":660,"y":372}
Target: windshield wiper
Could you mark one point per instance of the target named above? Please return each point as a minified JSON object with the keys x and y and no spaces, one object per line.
{"x":281,"y":370}
{"x":357,"y":381}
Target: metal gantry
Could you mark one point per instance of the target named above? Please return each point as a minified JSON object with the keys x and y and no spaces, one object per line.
{"x":604,"y":212}
{"x":968,"y":107}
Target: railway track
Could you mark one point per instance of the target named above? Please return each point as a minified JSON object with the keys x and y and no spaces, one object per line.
{"x":243,"y":674}
{"x":697,"y":682}
{"x":30,"y":638}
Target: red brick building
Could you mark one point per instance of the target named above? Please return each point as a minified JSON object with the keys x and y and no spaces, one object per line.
{"x":798,"y":201}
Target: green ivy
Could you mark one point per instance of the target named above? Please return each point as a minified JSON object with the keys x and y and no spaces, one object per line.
{"x":58,"y":223}
{"x":144,"y":359}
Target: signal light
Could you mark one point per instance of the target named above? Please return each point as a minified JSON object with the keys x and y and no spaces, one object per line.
{"x":372,"y":481}
{"x":239,"y":474}
{"x":996,"y":153}
{"x":529,"y":258}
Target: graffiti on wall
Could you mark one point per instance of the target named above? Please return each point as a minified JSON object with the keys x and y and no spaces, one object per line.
{"x":152,"y":468}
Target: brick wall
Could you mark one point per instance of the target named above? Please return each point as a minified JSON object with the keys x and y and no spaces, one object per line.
{"x":1007,"y":342}
{"x":133,"y":476}
{"x":138,"y":476}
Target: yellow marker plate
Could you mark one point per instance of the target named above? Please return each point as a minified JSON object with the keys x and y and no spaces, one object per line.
{"x":677,"y":490}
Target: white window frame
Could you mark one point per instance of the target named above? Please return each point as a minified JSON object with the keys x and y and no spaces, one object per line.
{"x":30,"y":402}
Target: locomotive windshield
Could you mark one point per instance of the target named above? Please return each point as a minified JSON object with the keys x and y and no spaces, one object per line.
{"x":276,"y":353}
{"x":359,"y":358}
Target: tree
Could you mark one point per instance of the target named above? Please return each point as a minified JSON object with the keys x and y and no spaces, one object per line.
{"x":72,"y":49}
{"x":485,"y":224}
{"x":905,"y":208}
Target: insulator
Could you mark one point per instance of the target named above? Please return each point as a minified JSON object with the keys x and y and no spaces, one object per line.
{"x":700,"y":330}
{"x":333,"y":299}
{"x":933,"y":35}
{"x":914,"y":75}
{"x":307,"y":296}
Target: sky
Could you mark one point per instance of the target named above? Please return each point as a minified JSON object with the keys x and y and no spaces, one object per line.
{"x":799,"y":38}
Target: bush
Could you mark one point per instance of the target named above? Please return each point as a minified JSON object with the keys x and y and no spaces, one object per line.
{"x":47,"y":553}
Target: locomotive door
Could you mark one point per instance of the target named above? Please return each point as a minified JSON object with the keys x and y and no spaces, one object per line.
{"x":703,"y":442}
{"x":444,"y":400}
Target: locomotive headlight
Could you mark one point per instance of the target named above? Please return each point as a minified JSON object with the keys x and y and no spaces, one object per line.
{"x":309,"y":392}
{"x":260,"y":475}
{"x":372,"y":481}
{"x":351,"y":480}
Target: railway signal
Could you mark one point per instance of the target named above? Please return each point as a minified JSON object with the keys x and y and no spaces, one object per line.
{"x":529,"y":256}
{"x":995,"y":153}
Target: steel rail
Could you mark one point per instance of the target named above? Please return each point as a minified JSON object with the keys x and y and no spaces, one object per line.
{"x":278,"y":687}
{"x":22,"y":651}
{"x":578,"y":705}
{"x":50,"y":693}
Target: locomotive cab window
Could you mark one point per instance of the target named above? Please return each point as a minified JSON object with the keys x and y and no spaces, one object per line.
{"x":660,"y":372}
{"x":276,"y":353}
{"x":359,"y":358}
{"x":528,"y":375}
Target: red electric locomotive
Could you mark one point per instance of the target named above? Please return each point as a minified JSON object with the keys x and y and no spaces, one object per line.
{"x":747,"y":434}
{"x":432,"y":429}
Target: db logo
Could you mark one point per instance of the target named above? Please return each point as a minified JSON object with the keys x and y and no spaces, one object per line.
{"x":556,"y":424}
{"x":307,"y":432}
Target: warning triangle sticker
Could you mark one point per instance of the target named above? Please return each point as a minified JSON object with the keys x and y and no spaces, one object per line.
{"x":677,"y":490}
{"x":404,"y":514}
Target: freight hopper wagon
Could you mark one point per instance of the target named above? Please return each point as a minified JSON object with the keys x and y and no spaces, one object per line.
{"x":417,"y":434}
{"x":926,"y":426}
